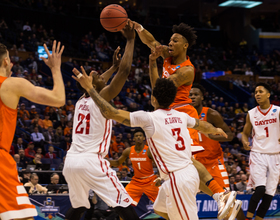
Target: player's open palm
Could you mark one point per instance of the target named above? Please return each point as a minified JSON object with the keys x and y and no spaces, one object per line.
{"x":221,"y":132}
{"x":157,"y":52}
{"x":246,"y":146}
{"x":54,"y":59}
{"x":128,"y":31}
{"x":84,"y":79}
{"x":117,"y":57}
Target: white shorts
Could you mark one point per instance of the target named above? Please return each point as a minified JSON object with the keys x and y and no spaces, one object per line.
{"x":177,"y":195}
{"x":264,"y":171}
{"x":87,"y":171}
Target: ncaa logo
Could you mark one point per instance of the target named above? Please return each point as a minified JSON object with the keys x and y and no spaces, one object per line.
{"x":144,"y":151}
{"x":177,"y":67}
{"x":202,"y":115}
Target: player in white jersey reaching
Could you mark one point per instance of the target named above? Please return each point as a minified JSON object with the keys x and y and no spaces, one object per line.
{"x":170,"y":144}
{"x":263,"y":122}
{"x":85,"y":167}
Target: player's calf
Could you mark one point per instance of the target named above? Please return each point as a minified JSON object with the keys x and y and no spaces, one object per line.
{"x":75,"y":214}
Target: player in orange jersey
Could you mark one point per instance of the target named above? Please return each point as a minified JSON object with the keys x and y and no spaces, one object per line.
{"x":212,"y":157}
{"x":144,"y":179}
{"x":179,"y":69}
{"x":14,"y":201}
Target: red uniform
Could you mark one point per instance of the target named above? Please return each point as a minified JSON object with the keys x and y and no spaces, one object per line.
{"x":182,"y":100}
{"x":143,"y":179}
{"x":212,"y":158}
{"x":14,"y":201}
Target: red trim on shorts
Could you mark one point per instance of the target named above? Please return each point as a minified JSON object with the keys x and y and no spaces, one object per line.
{"x":159,"y":155}
{"x":258,"y":107}
{"x":103,"y":137}
{"x":172,"y":187}
{"x":100,"y":162}
{"x":112,"y":180}
{"x":172,"y":174}
{"x":106,"y":139}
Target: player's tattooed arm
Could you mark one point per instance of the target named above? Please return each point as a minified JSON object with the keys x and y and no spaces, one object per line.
{"x":183,"y":76}
{"x":208,"y":128}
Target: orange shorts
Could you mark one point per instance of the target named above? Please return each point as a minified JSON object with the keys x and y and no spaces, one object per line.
{"x":14,"y":201}
{"x":191,"y":111}
{"x":217,"y":169}
{"x":137,"y":187}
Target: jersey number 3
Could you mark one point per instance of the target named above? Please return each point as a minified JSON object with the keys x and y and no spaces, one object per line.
{"x":80,"y":129}
{"x":176,"y":132}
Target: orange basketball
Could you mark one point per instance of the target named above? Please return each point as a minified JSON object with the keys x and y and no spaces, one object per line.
{"x":113,"y":18}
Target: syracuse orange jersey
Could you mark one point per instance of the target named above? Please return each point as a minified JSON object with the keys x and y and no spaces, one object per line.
{"x":212,"y":148}
{"x":8,"y":120}
{"x":182,"y":96}
{"x":141,"y":163}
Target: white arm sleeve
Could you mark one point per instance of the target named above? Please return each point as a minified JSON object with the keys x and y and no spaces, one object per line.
{"x":190,"y":121}
{"x":143,"y":119}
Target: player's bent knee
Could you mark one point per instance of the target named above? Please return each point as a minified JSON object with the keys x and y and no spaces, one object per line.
{"x":260,"y":191}
{"x":126,"y":213}
{"x":264,"y":206}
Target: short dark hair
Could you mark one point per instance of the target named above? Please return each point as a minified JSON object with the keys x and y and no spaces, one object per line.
{"x":3,"y":52}
{"x":138,"y":130}
{"x":265,"y":85}
{"x":186,"y":31}
{"x":165,"y":92}
{"x":200,"y":87}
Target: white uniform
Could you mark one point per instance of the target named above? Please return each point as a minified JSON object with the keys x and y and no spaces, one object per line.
{"x":170,"y":144}
{"x":85,"y":167}
{"x":264,"y":155}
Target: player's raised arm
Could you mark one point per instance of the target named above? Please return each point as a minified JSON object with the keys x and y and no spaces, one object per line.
{"x":208,"y":128}
{"x":216,"y":119}
{"x":106,"y":109}
{"x":246,"y":133}
{"x":112,"y":90}
{"x":16,"y":87}
{"x":116,"y":63}
{"x":148,"y":39}
{"x":122,"y":158}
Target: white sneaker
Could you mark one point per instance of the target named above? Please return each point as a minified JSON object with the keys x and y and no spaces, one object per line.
{"x":225,"y":201}
{"x":235,"y":209}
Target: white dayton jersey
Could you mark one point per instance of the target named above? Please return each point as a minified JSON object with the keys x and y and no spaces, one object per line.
{"x":91,"y":131}
{"x":265,"y":129}
{"x":168,"y":137}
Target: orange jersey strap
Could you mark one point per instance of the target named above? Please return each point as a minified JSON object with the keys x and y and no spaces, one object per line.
{"x":8,"y":120}
{"x":212,"y":148}
{"x":183,"y":91}
{"x":141,"y":163}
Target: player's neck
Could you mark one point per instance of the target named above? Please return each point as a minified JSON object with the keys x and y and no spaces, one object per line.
{"x":265,"y":105}
{"x":139,"y":147}
{"x":199,"y":109}
{"x":3,"y":72}
{"x":178,"y":59}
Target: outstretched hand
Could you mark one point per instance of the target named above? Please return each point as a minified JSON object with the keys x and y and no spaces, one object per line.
{"x":128,"y":31}
{"x":246,"y":146}
{"x":117,"y":57}
{"x":84,"y":79}
{"x":54,"y":59}
{"x":157,"y":52}
{"x":138,"y":27}
{"x":220,"y":131}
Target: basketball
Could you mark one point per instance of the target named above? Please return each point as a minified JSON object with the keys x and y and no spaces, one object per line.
{"x":113,"y":18}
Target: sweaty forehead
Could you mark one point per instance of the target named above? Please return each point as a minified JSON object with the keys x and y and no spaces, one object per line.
{"x":261,"y":88}
{"x":177,"y":37}
{"x":196,"y":90}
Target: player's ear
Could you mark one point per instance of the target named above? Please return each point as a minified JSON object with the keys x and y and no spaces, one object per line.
{"x":186,"y":45}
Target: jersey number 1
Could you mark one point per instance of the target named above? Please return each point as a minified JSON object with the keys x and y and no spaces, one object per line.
{"x":176,"y":132}
{"x":266,"y":129}
{"x":81,"y":117}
